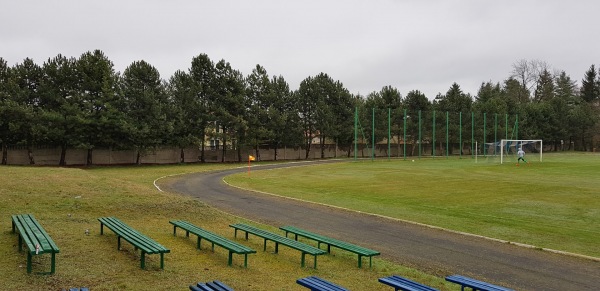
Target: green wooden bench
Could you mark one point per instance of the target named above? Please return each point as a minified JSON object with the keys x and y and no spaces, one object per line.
{"x":33,"y":235}
{"x":465,"y":282}
{"x":231,"y":246}
{"x":360,"y":251}
{"x":138,"y":240}
{"x":403,"y":284}
{"x":315,"y":283}
{"x":277,"y":239}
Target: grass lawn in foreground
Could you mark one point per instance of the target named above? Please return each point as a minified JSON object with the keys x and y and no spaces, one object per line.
{"x":68,"y":201}
{"x":551,"y":204}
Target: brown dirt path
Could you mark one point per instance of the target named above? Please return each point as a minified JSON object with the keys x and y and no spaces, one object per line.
{"x":431,"y":250}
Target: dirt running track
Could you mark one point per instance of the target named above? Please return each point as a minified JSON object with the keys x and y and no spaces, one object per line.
{"x":434,"y":251}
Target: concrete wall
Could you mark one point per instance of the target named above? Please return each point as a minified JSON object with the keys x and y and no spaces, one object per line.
{"x":77,"y":157}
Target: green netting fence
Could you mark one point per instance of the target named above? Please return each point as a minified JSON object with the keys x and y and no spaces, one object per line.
{"x":402,"y":133}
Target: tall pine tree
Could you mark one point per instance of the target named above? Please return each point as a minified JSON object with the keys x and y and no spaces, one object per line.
{"x":590,"y":87}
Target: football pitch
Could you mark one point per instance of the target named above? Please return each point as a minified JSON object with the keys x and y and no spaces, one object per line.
{"x":553,"y":204}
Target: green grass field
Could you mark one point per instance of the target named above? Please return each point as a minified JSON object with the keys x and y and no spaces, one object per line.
{"x":68,"y":201}
{"x":554,"y":204}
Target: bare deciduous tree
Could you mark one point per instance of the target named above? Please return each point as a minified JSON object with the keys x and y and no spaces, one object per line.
{"x":528,"y":72}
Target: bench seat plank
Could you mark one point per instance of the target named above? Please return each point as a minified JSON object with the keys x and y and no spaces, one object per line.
{"x":360,"y":251}
{"x":35,"y":238}
{"x":211,"y":286}
{"x":475,"y":284}
{"x":137,"y":239}
{"x":231,"y":246}
{"x":315,"y":283}
{"x":278,"y":239}
{"x":400,"y":283}
{"x":133,"y":236}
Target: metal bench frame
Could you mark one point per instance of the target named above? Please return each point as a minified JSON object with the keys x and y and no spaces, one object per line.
{"x":360,"y":251}
{"x":138,"y":240}
{"x":231,"y":246}
{"x":277,"y":239}
{"x":37,"y":240}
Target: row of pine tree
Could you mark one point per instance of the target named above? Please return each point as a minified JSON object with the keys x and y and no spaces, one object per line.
{"x":84,"y":103}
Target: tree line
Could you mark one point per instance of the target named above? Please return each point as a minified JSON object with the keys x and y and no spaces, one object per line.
{"x":83,"y":103}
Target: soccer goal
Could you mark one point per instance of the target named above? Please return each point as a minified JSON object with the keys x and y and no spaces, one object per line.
{"x":531,"y":147}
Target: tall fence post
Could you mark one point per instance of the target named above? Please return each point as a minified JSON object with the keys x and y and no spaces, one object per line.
{"x":355,"y":132}
{"x":404,"y":139}
{"x":373,"y":137}
{"x":389,"y":132}
{"x":433,"y":137}
{"x":419,"y":141}
{"x":460,"y":134}
{"x":447,"y":142}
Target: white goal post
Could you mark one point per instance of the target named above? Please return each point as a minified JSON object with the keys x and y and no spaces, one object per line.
{"x":509,"y":147}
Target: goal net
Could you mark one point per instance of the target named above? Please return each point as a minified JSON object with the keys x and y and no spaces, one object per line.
{"x":509,"y":148}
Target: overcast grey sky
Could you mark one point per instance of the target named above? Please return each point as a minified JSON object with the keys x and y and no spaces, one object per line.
{"x":410,"y":45}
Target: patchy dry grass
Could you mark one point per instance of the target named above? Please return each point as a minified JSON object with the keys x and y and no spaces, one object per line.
{"x":68,"y":201}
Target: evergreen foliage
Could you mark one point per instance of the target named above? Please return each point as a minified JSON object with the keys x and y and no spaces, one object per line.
{"x":83,"y":103}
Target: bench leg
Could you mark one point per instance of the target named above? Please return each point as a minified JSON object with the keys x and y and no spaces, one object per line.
{"x":213,"y":247}
{"x":329,"y":249}
{"x":198,"y":243}
{"x":101,"y":228}
{"x":359,"y":261}
{"x":174,"y":230}
{"x":276,"y":248}
{"x":13,"y":226}
{"x":315,"y":262}
{"x":245,"y":260}
{"x":20,"y":243}
{"x":187,"y":233}
{"x":143,"y":260}
{"x":119,"y":242}
{"x":265,"y":245}
{"x":52,"y":263}
{"x":230,"y":258}
{"x":302,"y":260}
{"x":28,"y":262}
{"x":162,"y":261}
{"x":370,"y":262}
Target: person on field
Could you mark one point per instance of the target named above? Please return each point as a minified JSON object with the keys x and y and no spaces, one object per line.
{"x":521,"y":155}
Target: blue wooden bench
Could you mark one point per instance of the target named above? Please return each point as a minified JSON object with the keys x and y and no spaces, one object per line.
{"x":78,"y":289}
{"x":33,"y":235}
{"x":400,"y":283}
{"x":277,"y":239}
{"x":138,"y":240}
{"x":315,"y":283}
{"x":211,"y":286}
{"x":360,"y":251}
{"x":475,"y":284}
{"x":231,"y":246}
